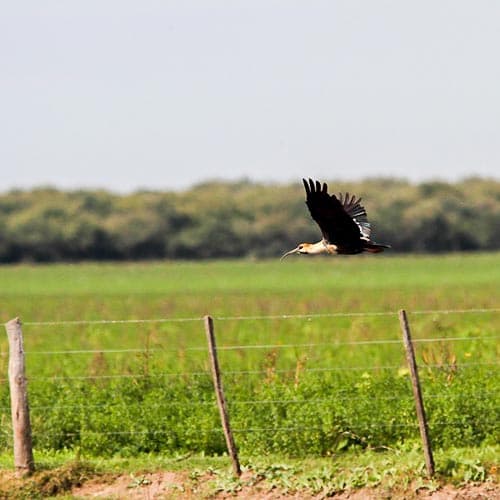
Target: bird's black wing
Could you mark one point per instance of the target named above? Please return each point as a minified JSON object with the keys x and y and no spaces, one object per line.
{"x":357,"y":213}
{"x":335,"y":218}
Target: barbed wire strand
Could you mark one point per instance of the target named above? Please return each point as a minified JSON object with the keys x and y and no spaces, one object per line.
{"x":256,"y":317}
{"x":326,"y":428}
{"x":259,"y":372}
{"x":263,"y":346}
{"x":236,"y":402}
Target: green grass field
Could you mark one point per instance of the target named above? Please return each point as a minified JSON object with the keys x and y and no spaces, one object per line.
{"x":312,"y":385}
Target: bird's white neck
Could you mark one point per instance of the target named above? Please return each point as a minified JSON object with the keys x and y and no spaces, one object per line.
{"x":321,"y":247}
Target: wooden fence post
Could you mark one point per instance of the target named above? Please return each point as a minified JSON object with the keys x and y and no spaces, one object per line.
{"x":21,"y":426}
{"x":417,"y":393}
{"x":219,"y":393}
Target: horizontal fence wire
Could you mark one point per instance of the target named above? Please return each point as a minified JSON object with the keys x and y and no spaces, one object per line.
{"x":340,"y":397}
{"x":102,"y":351}
{"x":264,"y":346}
{"x":256,"y":317}
{"x":336,"y":344}
{"x":325,"y":428}
{"x":260,"y":372}
{"x":375,"y":425}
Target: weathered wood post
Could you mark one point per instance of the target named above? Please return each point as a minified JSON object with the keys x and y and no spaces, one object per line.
{"x":21,"y":426}
{"x":219,"y":393}
{"x":417,"y":393}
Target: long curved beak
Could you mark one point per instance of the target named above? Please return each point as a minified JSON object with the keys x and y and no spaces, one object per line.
{"x":295,"y":250}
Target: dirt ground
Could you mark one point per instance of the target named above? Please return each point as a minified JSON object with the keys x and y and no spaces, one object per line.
{"x":173,"y":485}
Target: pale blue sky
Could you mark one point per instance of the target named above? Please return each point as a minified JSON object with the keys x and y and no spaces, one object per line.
{"x":163,"y":94}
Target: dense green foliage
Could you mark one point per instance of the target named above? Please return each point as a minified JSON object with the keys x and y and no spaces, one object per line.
{"x":299,"y":386}
{"x":238,"y":219}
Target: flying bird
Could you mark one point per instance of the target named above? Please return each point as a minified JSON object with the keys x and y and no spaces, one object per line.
{"x":342,"y":221}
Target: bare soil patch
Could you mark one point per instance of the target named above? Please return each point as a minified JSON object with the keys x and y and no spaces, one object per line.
{"x":80,"y":482}
{"x":175,"y":485}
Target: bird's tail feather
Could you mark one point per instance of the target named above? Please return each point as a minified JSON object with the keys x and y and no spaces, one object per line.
{"x":375,"y":247}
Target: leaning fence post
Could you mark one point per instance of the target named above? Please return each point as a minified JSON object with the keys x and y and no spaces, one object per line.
{"x":417,"y":393}
{"x":219,"y":393}
{"x":23,"y":451}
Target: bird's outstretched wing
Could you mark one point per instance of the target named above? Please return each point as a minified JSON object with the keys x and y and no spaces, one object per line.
{"x":357,"y":213}
{"x":342,"y":221}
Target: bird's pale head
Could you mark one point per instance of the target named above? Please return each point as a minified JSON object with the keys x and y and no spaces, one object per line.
{"x":305,"y":248}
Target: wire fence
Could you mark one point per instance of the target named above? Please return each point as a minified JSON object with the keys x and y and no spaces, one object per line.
{"x":308,"y":429}
{"x":213,"y":402}
{"x":338,"y":397}
{"x":243,"y":347}
{"x":454,"y":366}
{"x":258,"y":317}
{"x":312,"y":402}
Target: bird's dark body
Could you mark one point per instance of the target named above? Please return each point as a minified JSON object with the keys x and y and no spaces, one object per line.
{"x":349,"y":250}
{"x":342,"y":220}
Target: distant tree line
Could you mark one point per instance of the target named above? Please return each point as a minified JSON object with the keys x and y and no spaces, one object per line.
{"x":219,"y":219}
